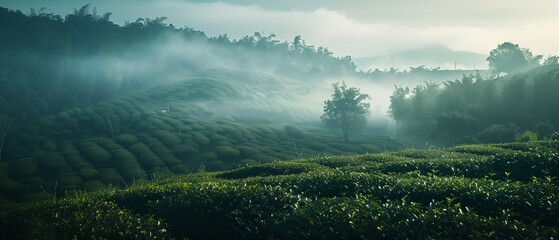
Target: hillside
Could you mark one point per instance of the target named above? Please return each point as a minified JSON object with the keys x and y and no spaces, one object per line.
{"x":217,"y":120}
{"x":500,"y":191}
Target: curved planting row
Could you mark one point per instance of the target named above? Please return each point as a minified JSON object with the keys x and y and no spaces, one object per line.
{"x":160,"y":131}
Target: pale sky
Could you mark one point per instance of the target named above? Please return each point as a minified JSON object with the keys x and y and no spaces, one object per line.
{"x":359,"y":28}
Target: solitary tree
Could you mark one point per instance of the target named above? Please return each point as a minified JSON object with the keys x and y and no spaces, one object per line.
{"x":347,"y":109}
{"x":508,"y":57}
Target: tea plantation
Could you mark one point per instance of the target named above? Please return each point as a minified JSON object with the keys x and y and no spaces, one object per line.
{"x":499,"y":191}
{"x":216,"y":120}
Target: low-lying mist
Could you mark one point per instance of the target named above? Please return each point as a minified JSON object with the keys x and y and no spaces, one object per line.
{"x":281,"y":81}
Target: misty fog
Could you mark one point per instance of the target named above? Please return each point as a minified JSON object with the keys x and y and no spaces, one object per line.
{"x":204,"y":119}
{"x":87,"y":103}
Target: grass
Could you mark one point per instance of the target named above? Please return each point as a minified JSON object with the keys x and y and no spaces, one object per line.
{"x":498,"y":191}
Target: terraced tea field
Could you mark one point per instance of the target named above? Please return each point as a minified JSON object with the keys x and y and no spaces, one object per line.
{"x":206,"y":123}
{"x":500,"y":191}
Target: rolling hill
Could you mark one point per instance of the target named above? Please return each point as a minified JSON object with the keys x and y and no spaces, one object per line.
{"x":217,"y":120}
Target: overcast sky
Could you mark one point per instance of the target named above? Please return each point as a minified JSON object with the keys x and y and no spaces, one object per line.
{"x":360,"y":28}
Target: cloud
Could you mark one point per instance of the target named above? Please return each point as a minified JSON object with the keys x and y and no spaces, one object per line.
{"x":360,"y":28}
{"x":322,"y":27}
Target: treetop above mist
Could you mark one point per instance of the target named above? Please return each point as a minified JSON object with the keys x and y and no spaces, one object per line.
{"x":84,"y":31}
{"x":510,"y":58}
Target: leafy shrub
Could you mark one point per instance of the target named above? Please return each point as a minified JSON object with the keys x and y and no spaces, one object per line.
{"x":22,"y":168}
{"x":167,"y":138}
{"x":145,"y":156}
{"x":240,"y":212}
{"x":88,"y":173}
{"x":61,"y":116}
{"x":527,"y":136}
{"x":336,"y":161}
{"x":263,"y":158}
{"x":110,"y":176}
{"x":248,"y":162}
{"x":79,"y":219}
{"x":225,"y":152}
{"x":498,"y":133}
{"x":94,"y":185}
{"x":200,"y":138}
{"x":180,"y":169}
{"x":183,"y":151}
{"x":70,"y":181}
{"x":216,"y":165}
{"x":313,"y":145}
{"x":382,"y":157}
{"x":51,"y":161}
{"x":233,"y":133}
{"x":555,"y":136}
{"x":479,"y":149}
{"x":127,"y":164}
{"x":370,"y":148}
{"x":14,"y":189}
{"x":126,"y":139}
{"x":157,"y":147}
{"x":364,"y":218}
{"x":544,"y":130}
{"x":169,"y":159}
{"x":295,"y":132}
{"x":48,"y":145}
{"x":95,"y":153}
{"x":270,"y":169}
{"x":248,"y":151}
{"x":347,"y":148}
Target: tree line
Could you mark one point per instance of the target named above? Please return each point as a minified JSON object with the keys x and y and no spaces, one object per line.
{"x":39,"y":74}
{"x":477,"y":108}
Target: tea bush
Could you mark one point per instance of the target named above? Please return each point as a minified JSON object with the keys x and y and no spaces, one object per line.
{"x":79,"y":219}
{"x":268,"y":169}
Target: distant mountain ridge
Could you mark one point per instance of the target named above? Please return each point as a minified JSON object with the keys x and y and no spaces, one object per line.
{"x":430,"y":56}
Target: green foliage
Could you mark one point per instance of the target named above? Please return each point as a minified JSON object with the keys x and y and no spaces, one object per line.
{"x":364,"y":218}
{"x":79,"y":219}
{"x":474,"y":191}
{"x":336,"y":161}
{"x":555,"y":136}
{"x":180,"y":169}
{"x":51,"y":161}
{"x":226,"y":153}
{"x":88,"y":173}
{"x":200,"y":138}
{"x":240,"y":212}
{"x":454,"y":111}
{"x":126,"y":139}
{"x":295,"y":132}
{"x":347,"y":109}
{"x":110,"y":176}
{"x":498,"y":133}
{"x":127,"y":164}
{"x":22,"y":168}
{"x":167,"y":138}
{"x":95,"y":153}
{"x":527,"y":136}
{"x":183,"y":151}
{"x":507,"y":58}
{"x":544,"y":130}
{"x":269,"y":169}
{"x":479,"y":149}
